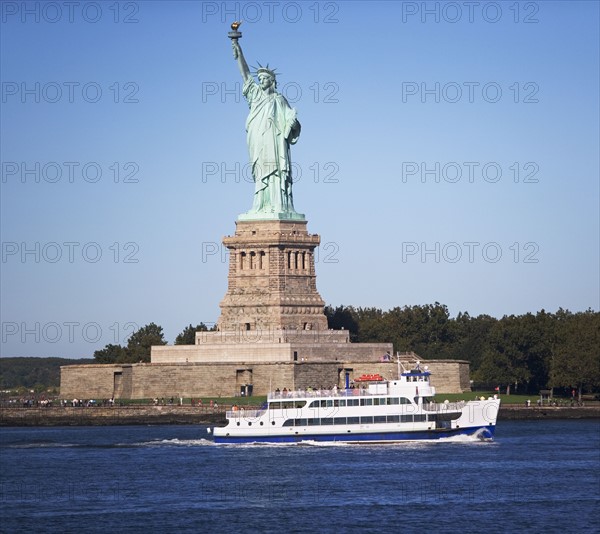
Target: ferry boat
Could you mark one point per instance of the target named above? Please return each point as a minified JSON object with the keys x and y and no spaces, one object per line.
{"x":375,"y":410}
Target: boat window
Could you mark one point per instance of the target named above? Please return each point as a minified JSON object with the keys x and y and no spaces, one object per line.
{"x":274,"y":406}
{"x":406,"y":418}
{"x":329,"y":403}
{"x":379,"y":419}
{"x":393,"y":418}
{"x":314,"y":421}
{"x":366,"y":420}
{"x":339,"y":420}
{"x":404,"y":400}
{"x":301,"y":422}
{"x":314,"y":404}
{"x":419,"y":418}
{"x":353,"y":420}
{"x":393,"y":400}
{"x":336,"y":403}
{"x":343,"y":402}
{"x":288,"y":422}
{"x":287,"y":405}
{"x":353,"y":402}
{"x":366,"y":402}
{"x":323,"y":404}
{"x":327,"y":421}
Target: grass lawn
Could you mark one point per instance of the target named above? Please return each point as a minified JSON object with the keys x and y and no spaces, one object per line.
{"x":221,"y":401}
{"x":472,"y":395}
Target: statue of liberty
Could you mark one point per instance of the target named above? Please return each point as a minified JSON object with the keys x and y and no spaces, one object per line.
{"x":271,"y":126}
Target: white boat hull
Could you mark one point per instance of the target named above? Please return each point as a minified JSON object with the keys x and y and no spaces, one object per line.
{"x":476,"y":418}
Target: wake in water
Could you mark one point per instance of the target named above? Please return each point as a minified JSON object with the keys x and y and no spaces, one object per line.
{"x":41,"y":445}
{"x":479,"y":437}
{"x":303,"y":443}
{"x":174,"y":443}
{"x":482,"y":436}
{"x":154,"y":443}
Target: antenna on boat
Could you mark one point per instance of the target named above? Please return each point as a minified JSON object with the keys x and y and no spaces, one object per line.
{"x":399,"y":365}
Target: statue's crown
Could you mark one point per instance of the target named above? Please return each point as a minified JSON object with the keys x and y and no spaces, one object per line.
{"x":265,"y":70}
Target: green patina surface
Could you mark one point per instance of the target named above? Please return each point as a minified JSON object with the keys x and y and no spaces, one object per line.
{"x":272,"y":127}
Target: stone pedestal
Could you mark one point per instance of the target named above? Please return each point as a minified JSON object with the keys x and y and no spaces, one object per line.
{"x":272,"y":279}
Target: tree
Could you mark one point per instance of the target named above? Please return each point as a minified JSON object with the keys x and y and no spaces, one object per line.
{"x":371,"y":326}
{"x":505,"y":360}
{"x":188,"y":336}
{"x":472,"y":337}
{"x":33,"y":373}
{"x":342,"y":318}
{"x":496,"y":368}
{"x":540,"y":329}
{"x":575,"y":361}
{"x":426,"y":330}
{"x":110,"y":354}
{"x":138,"y":345}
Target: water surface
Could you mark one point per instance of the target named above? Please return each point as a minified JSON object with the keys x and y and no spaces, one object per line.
{"x":537,"y":476}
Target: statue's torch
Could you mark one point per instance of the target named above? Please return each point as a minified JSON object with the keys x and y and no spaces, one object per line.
{"x":234,"y":35}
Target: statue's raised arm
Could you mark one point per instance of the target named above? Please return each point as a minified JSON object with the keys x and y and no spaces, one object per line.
{"x":241,"y":60}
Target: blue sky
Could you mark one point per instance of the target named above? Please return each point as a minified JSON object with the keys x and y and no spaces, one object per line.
{"x":446,"y":155}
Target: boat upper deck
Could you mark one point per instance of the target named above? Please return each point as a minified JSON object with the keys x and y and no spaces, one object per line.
{"x":334,"y":392}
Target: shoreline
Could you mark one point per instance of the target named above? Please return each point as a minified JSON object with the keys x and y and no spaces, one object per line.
{"x":513,"y":412}
{"x":105,"y":416}
{"x":190,"y":415}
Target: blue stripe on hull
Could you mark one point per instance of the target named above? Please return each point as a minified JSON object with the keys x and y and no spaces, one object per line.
{"x":380,"y":437}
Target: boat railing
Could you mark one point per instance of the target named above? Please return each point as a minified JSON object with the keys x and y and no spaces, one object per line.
{"x":243,"y":414}
{"x":300,"y":394}
{"x":443,"y":406}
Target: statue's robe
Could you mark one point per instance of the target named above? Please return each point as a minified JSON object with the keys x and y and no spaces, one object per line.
{"x":271,"y":128}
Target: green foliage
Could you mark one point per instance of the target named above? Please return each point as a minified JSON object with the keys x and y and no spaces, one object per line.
{"x":33,"y":373}
{"x":526,"y":353}
{"x":138,"y":346}
{"x":342,"y":318}
{"x":576,"y":361}
{"x":111,"y":354}
{"x":188,"y":336}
